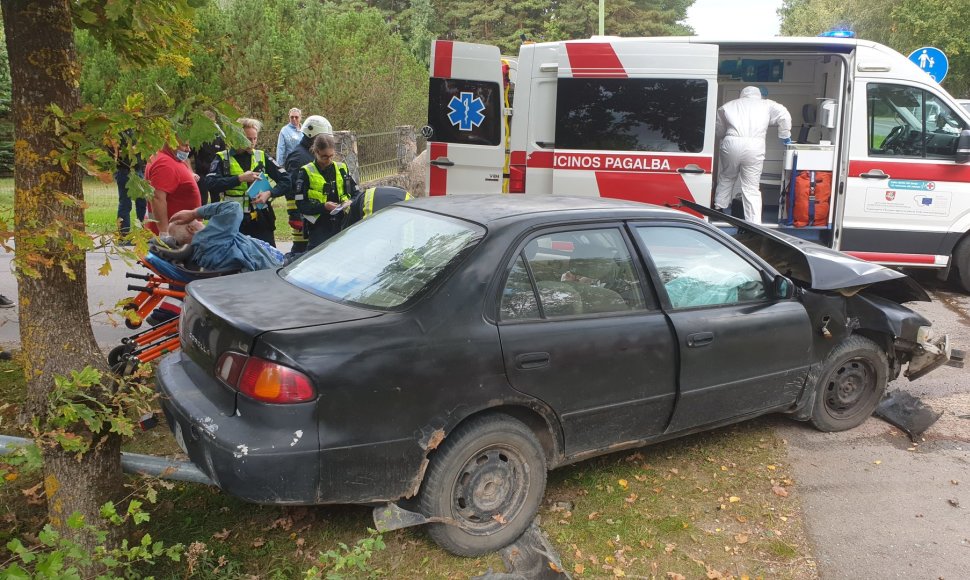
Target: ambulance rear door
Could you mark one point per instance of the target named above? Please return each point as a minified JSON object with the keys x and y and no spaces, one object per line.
{"x":635,"y":120}
{"x":465,"y":131}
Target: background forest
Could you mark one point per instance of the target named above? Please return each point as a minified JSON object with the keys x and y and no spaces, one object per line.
{"x":363,"y":63}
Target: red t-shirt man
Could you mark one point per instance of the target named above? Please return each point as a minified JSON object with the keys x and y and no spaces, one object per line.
{"x":175,"y":188}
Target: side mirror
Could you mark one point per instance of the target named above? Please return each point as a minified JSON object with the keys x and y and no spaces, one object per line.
{"x":782,"y":288}
{"x":963,"y":147}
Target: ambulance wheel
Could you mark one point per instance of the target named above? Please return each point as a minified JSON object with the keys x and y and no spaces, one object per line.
{"x":851,"y":383}
{"x":488,"y":478}
{"x":961,"y":259}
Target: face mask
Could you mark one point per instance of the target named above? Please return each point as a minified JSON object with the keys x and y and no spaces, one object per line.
{"x":182,"y":155}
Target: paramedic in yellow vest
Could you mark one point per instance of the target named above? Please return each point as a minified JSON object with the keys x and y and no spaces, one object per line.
{"x":232,"y":173}
{"x":373,"y":200}
{"x":320,"y":188}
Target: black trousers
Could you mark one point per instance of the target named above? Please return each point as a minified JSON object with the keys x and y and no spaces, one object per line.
{"x":260,"y":224}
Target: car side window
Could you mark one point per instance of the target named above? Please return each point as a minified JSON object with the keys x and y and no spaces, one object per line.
{"x":574,"y":273}
{"x":698,"y":270}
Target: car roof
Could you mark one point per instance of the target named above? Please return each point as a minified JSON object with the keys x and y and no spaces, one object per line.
{"x":492,"y":208}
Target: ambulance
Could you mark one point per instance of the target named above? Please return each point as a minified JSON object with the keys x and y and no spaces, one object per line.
{"x":633,"y":118}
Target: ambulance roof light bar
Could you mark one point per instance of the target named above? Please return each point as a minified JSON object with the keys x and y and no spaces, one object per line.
{"x":838,"y":33}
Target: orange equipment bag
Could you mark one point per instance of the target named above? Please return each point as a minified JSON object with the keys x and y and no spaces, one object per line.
{"x":813,"y":190}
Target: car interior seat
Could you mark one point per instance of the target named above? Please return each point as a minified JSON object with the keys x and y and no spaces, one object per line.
{"x":601,"y":268}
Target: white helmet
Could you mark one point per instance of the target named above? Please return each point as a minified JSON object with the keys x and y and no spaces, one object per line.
{"x":315,"y":124}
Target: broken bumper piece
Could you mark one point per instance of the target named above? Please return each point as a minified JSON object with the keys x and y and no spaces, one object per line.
{"x":929,"y":356}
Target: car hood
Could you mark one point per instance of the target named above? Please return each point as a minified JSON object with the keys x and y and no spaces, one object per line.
{"x":257,"y":302}
{"x":818,"y":267}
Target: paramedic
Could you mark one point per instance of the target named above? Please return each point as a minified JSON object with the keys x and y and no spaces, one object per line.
{"x":741,"y":126}
{"x":219,"y":245}
{"x":234,"y":171}
{"x":298,"y":157}
{"x":373,"y":200}
{"x":320,"y":188}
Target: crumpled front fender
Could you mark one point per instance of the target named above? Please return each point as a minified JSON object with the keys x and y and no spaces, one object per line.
{"x":929,"y":356}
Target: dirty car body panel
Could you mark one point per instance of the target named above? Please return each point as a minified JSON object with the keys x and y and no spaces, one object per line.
{"x":599,"y":324}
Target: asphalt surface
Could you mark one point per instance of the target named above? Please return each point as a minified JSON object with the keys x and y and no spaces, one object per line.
{"x":875,"y":505}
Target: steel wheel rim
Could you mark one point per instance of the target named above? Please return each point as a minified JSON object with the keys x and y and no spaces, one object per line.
{"x":848,"y":386}
{"x":490,"y":489}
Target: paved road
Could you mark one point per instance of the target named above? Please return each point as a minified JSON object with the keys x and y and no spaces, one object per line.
{"x":874,"y":506}
{"x":877,"y":506}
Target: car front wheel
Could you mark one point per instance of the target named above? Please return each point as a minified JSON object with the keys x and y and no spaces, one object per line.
{"x":851,"y":383}
{"x":488,"y":477}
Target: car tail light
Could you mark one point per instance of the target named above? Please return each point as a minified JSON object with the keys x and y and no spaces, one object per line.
{"x":517,"y":179}
{"x":264,"y":380}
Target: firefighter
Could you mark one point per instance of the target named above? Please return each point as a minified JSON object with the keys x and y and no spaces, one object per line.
{"x":232,"y":173}
{"x":321,"y":187}
{"x":373,"y":200}
{"x":294,"y":162}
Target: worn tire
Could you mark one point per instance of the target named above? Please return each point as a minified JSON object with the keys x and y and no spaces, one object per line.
{"x":961,"y":259}
{"x":489,"y":475}
{"x":850,"y":385}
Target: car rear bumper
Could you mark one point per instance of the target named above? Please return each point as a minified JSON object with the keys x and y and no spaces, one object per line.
{"x":274,"y":460}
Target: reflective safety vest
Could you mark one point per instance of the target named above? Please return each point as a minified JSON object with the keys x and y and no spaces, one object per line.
{"x":318,"y":182}
{"x":368,"y":209}
{"x":229,"y":163}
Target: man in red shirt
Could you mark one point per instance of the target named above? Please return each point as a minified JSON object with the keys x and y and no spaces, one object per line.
{"x":174,"y":184}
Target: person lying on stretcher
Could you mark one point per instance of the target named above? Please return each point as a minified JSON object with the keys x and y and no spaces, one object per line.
{"x":218,"y":245}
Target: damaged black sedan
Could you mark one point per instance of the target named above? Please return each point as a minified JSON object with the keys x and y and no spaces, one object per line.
{"x":444,"y":354}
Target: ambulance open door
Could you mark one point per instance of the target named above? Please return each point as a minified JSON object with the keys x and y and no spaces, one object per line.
{"x":635,"y":120}
{"x":465,"y":128}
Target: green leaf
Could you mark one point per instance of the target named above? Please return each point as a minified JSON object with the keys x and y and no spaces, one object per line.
{"x":15,"y":572}
{"x":75,"y":521}
{"x":57,"y":110}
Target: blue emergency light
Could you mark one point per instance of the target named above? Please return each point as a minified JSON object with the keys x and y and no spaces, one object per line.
{"x":838,"y":33}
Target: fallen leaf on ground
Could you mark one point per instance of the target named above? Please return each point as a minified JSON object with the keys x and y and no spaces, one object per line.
{"x":500,"y":519}
{"x":579,"y":568}
{"x":779,"y":491}
{"x":258,"y":542}
{"x":593,"y":516}
{"x":741,"y":538}
{"x":734,"y":499}
{"x":222,"y":535}
{"x":669,"y":548}
{"x":676,"y":576}
{"x":623,"y":483}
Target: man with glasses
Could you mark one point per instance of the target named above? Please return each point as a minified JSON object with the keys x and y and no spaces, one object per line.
{"x":290,"y":135}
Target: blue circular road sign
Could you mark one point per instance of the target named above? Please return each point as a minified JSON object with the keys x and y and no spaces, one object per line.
{"x":932,"y":61}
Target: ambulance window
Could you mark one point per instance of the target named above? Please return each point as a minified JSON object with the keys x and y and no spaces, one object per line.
{"x":631,"y":114}
{"x":909,"y":122}
{"x":465,"y":112}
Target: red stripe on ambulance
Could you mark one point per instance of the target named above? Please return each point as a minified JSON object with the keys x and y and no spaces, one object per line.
{"x":916,"y":171}
{"x":886,"y":258}
{"x":617,"y":162}
{"x":437,"y":176}
{"x":443,"y":50}
{"x":660,"y":188}
{"x":594,"y":59}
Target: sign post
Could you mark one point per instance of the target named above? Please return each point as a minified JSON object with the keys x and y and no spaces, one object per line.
{"x":932,"y":61}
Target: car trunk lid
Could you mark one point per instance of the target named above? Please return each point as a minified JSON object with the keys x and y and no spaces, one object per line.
{"x":230,"y":312}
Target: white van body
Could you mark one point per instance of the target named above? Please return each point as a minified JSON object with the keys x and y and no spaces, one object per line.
{"x":633,"y":118}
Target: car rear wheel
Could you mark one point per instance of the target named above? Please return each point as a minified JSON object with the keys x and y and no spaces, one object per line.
{"x":851,"y":383}
{"x":488,"y":477}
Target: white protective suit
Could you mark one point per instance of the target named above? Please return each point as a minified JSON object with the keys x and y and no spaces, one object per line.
{"x":741,"y":126}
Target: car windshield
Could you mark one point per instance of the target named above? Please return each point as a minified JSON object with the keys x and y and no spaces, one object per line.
{"x":386,"y":260}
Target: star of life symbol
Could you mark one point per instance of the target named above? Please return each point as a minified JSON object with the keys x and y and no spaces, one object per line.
{"x":466,"y":112}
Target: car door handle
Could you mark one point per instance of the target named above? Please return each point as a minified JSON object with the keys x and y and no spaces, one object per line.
{"x":700,"y":339}
{"x":690,"y":169}
{"x":442,"y":162}
{"x":532,"y":360}
{"x":874,"y":174}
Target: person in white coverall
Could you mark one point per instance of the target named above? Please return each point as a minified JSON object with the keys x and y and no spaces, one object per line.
{"x":741,"y":126}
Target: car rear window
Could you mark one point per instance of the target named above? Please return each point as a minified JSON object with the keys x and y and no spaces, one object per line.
{"x":386,"y":260}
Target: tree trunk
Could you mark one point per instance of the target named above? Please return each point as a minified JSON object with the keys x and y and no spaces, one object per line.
{"x":55,"y":328}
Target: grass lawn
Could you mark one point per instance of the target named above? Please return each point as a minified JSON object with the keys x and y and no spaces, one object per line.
{"x":716,"y":505}
{"x":101,"y":213}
